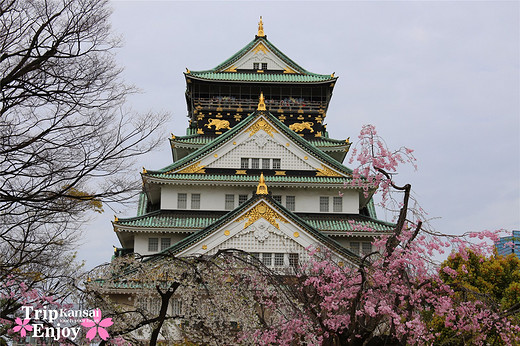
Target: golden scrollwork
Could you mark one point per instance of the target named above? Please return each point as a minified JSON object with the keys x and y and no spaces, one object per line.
{"x":241,"y":171}
{"x":195,"y":168}
{"x":261,"y":103}
{"x":299,"y":127}
{"x":219,"y":124}
{"x":326,"y":172}
{"x":232,"y":68}
{"x":264,"y":211}
{"x":287,"y":69}
{"x":261,"y":124}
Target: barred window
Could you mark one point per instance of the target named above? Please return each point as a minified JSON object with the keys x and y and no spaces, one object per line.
{"x":293,"y":259}
{"x":267,"y":259}
{"x":324,"y":204}
{"x":165,"y":243}
{"x":290,"y":203}
{"x":176,"y":307}
{"x":255,"y":255}
{"x":337,"y":204}
{"x":230,"y":202}
{"x":264,"y":66}
{"x":266,"y":163}
{"x":153,"y":244}
{"x":278,"y":259}
{"x":276,"y":163}
{"x":256,"y":66}
{"x":182,"y":199}
{"x":255,"y":163}
{"x":244,"y":163}
{"x":242,"y":199}
{"x":366,"y":248}
{"x":354,"y":247}
{"x":195,"y":201}
{"x":278,"y":198}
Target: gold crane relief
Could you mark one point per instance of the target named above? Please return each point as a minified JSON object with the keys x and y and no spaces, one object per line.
{"x":299,"y":127}
{"x":219,"y":124}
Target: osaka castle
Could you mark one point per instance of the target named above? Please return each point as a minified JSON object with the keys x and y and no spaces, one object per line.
{"x":255,"y":171}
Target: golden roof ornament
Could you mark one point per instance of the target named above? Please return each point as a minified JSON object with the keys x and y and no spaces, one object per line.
{"x":261,"y":103}
{"x":260,"y":28}
{"x":262,"y":188}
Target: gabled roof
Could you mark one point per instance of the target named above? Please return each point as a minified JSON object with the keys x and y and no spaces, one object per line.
{"x":228,"y":135}
{"x":292,"y":73}
{"x":319,"y":236}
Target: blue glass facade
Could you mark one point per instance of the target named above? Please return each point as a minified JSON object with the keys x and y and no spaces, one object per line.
{"x":509,"y":245}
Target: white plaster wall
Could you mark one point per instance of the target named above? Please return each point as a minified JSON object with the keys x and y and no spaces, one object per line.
{"x":213,"y":197}
{"x":141,"y":241}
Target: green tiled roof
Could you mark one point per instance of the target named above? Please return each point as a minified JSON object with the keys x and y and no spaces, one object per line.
{"x":253,"y":179}
{"x":354,"y":224}
{"x":166,"y":219}
{"x":302,"y":75}
{"x":261,"y":77}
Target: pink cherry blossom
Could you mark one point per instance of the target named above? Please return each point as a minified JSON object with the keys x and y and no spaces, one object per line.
{"x":22,"y":326}
{"x":97,"y":326}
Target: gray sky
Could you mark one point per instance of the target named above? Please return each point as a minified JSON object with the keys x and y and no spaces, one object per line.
{"x":439,"y":77}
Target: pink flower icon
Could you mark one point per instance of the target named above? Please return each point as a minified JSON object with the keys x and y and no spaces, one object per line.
{"x":97,"y":325}
{"x":22,"y":326}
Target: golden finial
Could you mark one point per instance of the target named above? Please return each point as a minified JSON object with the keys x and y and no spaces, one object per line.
{"x":144,"y":170}
{"x":187,"y":70}
{"x":262,"y":188}
{"x":260,"y":28}
{"x":261,"y":103}
{"x":347,"y":140}
{"x":115,"y":218}
{"x":332,"y":75}
{"x":173,"y":136}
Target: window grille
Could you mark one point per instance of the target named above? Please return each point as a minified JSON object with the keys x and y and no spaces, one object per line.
{"x":244,"y":163}
{"x":182,"y":199}
{"x":255,"y":163}
{"x":337,"y":204}
{"x":264,"y":66}
{"x":366,"y":248}
{"x":230,"y":202}
{"x":153,"y":244}
{"x":266,"y":163}
{"x":242,"y":199}
{"x":293,"y":259}
{"x":165,"y":243}
{"x":354,"y":247}
{"x":256,"y":66}
{"x":256,"y":256}
{"x":176,"y":307}
{"x":290,"y":203}
{"x":267,"y":259}
{"x":324,"y":204}
{"x":278,"y":259}
{"x":276,"y":163}
{"x":195,"y":201}
{"x":278,"y":198}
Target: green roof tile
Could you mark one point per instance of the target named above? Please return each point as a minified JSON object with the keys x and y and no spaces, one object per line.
{"x":261,"y":77}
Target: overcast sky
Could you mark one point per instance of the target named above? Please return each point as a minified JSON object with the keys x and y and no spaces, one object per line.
{"x":439,"y":77}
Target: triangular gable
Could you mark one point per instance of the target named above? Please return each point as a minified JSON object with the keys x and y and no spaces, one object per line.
{"x":258,"y":131}
{"x":260,"y":223}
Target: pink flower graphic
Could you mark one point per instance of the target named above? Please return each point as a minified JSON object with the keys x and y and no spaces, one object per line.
{"x":22,"y":326}
{"x":97,"y":325}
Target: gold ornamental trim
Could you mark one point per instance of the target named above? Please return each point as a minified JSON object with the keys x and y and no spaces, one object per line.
{"x":326,"y":172}
{"x":260,"y":28}
{"x":287,"y":69}
{"x":262,"y":211}
{"x":195,"y":168}
{"x":299,"y":127}
{"x":261,"y":124}
{"x":241,"y":171}
{"x":232,"y":68}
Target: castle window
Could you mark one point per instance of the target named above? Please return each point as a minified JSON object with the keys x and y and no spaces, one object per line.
{"x":293,"y":259}
{"x":195,"y":201}
{"x":290,"y":203}
{"x":182,"y":200}
{"x":230,"y":202}
{"x":165,"y":243}
{"x":324,"y":204}
{"x":264,"y":66}
{"x":266,"y":164}
{"x":244,"y":163}
{"x":276,"y":164}
{"x":366,"y":248}
{"x":153,"y":244}
{"x":176,"y":307}
{"x":354,"y":247}
{"x":278,"y":259}
{"x":337,"y":204}
{"x":242,"y":199}
{"x":278,"y":198}
{"x":255,"y":163}
{"x":256,"y":66}
{"x":267,"y":259}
